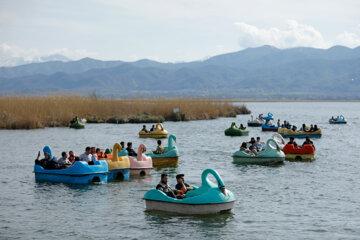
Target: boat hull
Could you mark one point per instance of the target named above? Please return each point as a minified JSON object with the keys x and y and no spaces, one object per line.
{"x":260,"y":160}
{"x":140,"y":172}
{"x":251,"y":124}
{"x":149,"y":135}
{"x":72,"y":179}
{"x":165,"y":161}
{"x":119,"y":174}
{"x":188,"y":209}
{"x":299,"y":157}
{"x":334,"y":122}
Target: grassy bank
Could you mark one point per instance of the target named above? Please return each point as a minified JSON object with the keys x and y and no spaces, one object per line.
{"x":53,"y":111}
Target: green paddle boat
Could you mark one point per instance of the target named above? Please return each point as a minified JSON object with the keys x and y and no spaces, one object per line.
{"x":234,"y":131}
{"x":271,"y":155}
{"x":77,"y":124}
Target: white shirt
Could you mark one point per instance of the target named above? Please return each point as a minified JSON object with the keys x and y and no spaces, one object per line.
{"x":63,"y":161}
{"x":94,"y":157}
{"x":85,"y":157}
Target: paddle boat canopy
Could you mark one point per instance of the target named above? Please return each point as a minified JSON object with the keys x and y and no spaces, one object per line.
{"x":305,"y":153}
{"x":142,"y":164}
{"x":169,"y":158}
{"x":119,"y":167}
{"x":338,"y":120}
{"x":235,"y":131}
{"x":209,"y":198}
{"x":272,"y":154}
{"x":159,"y":132}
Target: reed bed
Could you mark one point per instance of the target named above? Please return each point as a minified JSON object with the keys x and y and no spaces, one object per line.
{"x":52,"y":111}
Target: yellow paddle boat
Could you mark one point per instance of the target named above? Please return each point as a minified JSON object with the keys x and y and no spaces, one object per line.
{"x":119,"y":167}
{"x":159,"y":132}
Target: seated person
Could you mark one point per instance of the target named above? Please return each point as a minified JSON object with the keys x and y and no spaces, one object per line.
{"x":303,"y":128}
{"x":292,"y":142}
{"x":253,"y":148}
{"x":164,"y":187}
{"x":144,"y":129}
{"x":294,"y":128}
{"x":86,"y":156}
{"x":242,"y":127}
{"x":131,"y":151}
{"x":311,"y":128}
{"x":47,"y":162}
{"x":308,"y":141}
{"x":159,"y":149}
{"x":63,"y":161}
{"x":315,"y":128}
{"x":181,"y":186}
{"x":259,"y":145}
{"x":152,"y":128}
{"x":71,"y":157}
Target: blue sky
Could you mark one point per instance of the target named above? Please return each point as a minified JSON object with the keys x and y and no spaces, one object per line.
{"x":171,"y":30}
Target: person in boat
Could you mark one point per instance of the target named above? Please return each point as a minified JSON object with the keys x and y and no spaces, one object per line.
{"x":303,"y":128}
{"x":308,"y":142}
{"x":47,"y":162}
{"x":311,"y":128}
{"x":94,"y":156}
{"x":164,"y":187}
{"x":152,"y":128}
{"x":244,"y":148}
{"x":242,"y":127}
{"x":259,"y":145}
{"x":131,"y":151}
{"x":315,"y":128}
{"x":71,"y":157}
{"x":86,"y":156}
{"x":253,"y":148}
{"x":181,"y":186}
{"x":294,"y":128}
{"x":278,"y":123}
{"x":63,"y":161}
{"x":292,"y":141}
{"x":144,"y":129}
{"x":99,"y":153}
{"x":159,"y":149}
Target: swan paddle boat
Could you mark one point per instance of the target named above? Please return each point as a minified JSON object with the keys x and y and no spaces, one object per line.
{"x":169,"y":158}
{"x":142,"y":164}
{"x":235,"y":131}
{"x":279,"y":140}
{"x":159,"y":132}
{"x":286,"y":133}
{"x":305,"y":153}
{"x":78,"y":124}
{"x":255,"y":122}
{"x":272,"y":154}
{"x":337,"y":120}
{"x":267,"y":128}
{"x":78,"y":173}
{"x":209,"y":198}
{"x":119,"y":167}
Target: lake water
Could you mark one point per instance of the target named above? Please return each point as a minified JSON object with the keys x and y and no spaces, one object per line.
{"x":296,"y":200}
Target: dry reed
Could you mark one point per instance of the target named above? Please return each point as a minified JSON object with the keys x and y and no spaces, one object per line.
{"x":52,"y":111}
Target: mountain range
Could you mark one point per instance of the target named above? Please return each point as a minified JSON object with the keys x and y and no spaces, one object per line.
{"x":264,"y":72}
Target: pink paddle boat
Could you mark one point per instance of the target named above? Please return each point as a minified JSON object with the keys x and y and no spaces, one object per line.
{"x":142,"y":164}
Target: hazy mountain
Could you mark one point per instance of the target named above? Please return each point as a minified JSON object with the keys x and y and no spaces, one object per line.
{"x":16,"y":61}
{"x":264,"y":72}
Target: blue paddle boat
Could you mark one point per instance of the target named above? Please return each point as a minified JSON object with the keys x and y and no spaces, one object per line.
{"x":209,"y":198}
{"x":338,"y":120}
{"x":267,"y":128}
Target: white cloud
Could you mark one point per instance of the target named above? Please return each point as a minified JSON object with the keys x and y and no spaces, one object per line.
{"x":348,"y":39}
{"x":295,"y":35}
{"x":11,"y":55}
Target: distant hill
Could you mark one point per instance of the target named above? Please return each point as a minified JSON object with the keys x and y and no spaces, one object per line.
{"x":16,"y":61}
{"x":263,"y":72}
